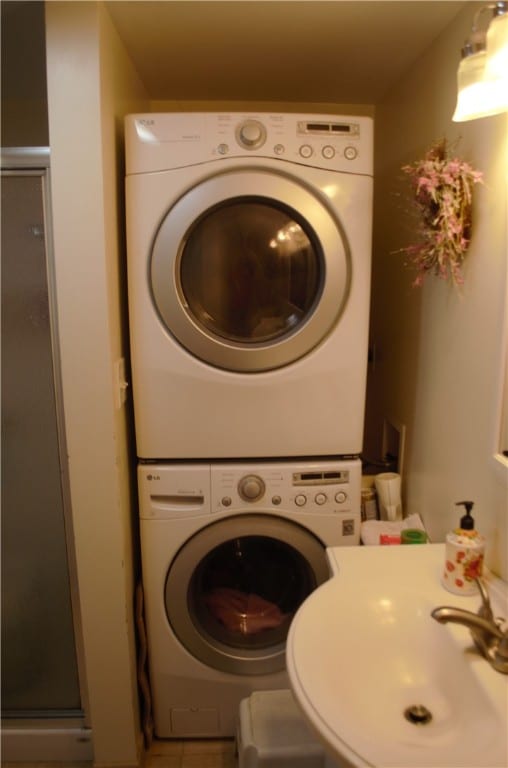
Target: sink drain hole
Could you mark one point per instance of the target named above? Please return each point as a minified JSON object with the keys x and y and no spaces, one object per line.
{"x":418,"y":714}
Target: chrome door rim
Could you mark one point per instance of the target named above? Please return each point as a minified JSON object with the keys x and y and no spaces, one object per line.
{"x":205,"y":648}
{"x":167,"y":252}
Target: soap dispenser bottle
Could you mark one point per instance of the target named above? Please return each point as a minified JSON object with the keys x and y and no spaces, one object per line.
{"x":465,"y":550}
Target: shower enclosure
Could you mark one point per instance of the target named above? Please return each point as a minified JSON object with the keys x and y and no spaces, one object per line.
{"x":42,"y":698}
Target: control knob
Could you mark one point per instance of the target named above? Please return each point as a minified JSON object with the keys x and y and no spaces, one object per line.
{"x":251,"y":488}
{"x":251,"y":134}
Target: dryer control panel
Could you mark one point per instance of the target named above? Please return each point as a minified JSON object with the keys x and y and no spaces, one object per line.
{"x":163,"y":141}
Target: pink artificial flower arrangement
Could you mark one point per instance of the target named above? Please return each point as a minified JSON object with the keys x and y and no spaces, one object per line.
{"x":443,"y":192}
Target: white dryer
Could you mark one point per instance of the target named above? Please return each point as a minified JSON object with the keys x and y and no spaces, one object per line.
{"x":249,"y":250}
{"x":229,"y":553}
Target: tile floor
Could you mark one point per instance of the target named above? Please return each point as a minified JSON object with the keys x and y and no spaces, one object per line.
{"x":202,"y":753}
{"x":45,"y":764}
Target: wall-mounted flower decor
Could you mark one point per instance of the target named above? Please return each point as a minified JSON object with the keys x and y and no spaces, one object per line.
{"x":443,"y":192}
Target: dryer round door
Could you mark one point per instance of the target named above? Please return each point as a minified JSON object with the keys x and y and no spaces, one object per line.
{"x":234,"y":587}
{"x":250,"y":270}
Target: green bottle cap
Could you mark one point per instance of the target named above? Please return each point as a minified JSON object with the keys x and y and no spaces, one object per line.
{"x":413,"y":536}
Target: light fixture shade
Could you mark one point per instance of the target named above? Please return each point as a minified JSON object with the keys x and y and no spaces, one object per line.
{"x":482,"y":76}
{"x":475,"y":98}
{"x":496,"y":64}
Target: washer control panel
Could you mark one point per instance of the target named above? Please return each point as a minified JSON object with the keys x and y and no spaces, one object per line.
{"x":313,"y":488}
{"x":325,"y":496}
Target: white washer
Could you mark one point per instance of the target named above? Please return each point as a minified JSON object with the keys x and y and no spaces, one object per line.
{"x":249,"y":242}
{"x":229,"y":553}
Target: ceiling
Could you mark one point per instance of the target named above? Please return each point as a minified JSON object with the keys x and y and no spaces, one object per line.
{"x":277,"y":50}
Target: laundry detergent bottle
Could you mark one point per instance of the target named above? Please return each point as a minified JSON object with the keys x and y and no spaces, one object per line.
{"x":464,"y":554}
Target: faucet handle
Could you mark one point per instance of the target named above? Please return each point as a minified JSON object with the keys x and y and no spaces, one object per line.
{"x":485,"y":608}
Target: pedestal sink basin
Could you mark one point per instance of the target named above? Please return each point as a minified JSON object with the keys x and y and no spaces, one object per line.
{"x":381,"y":682}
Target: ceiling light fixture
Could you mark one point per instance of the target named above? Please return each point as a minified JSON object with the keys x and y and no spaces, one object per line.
{"x":482,"y":76}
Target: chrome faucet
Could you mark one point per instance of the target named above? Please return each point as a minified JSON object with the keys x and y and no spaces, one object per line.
{"x":486,"y":631}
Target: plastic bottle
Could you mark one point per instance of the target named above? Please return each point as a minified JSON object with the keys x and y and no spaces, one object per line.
{"x":465,"y":550}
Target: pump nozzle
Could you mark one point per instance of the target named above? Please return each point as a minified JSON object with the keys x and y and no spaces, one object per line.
{"x":467,"y":521}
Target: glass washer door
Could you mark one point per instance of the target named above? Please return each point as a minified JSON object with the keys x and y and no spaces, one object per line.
{"x":234,"y":587}
{"x":249,"y":270}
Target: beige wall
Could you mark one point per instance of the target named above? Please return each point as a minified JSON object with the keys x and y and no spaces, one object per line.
{"x":440,"y":351}
{"x":91,"y":84}
{"x":316,"y":108}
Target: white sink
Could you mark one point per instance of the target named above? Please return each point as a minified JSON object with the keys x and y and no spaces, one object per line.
{"x":363,"y":649}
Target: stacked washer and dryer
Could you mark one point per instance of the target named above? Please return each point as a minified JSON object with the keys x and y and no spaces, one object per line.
{"x":248,"y":240}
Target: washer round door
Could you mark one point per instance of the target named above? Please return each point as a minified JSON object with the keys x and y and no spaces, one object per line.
{"x":234,"y":587}
{"x":250,"y":270}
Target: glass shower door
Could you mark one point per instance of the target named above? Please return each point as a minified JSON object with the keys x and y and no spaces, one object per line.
{"x":39,"y":660}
